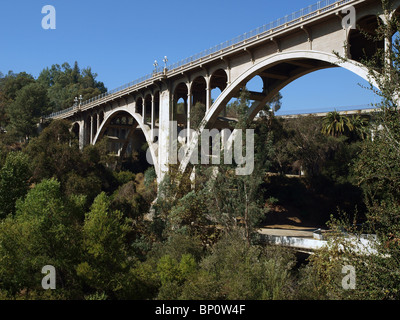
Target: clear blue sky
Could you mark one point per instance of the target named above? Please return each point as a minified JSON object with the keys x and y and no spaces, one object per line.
{"x":120,"y":39}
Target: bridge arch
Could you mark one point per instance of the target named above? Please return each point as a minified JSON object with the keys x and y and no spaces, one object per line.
{"x":359,"y":45}
{"x":75,"y":129}
{"x":219,"y":79}
{"x":138,"y":123}
{"x":269,"y":67}
{"x":199,"y":90}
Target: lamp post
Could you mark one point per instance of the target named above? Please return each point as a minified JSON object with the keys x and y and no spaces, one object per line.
{"x":165,"y":60}
{"x":155,"y":64}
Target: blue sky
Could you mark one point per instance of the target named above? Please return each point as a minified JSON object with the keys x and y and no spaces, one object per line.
{"x":120,"y":40}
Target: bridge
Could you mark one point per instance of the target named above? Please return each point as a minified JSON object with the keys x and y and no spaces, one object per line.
{"x":278,"y":53}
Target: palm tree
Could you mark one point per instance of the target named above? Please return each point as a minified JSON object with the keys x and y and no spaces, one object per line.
{"x":360,"y":126}
{"x":336,"y":124}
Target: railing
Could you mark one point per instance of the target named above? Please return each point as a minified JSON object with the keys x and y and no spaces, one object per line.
{"x":354,"y":108}
{"x":270,"y":28}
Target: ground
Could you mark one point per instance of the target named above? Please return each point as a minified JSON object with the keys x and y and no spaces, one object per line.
{"x":288,"y":221}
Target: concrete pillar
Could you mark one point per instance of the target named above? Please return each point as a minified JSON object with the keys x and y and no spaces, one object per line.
{"x":98,"y":122}
{"x":164,"y":141}
{"x":386,"y":18}
{"x":208,"y":97}
{"x":143,"y":110}
{"x":152,"y":118}
{"x":81,"y":134}
{"x":189,"y":107}
{"x":91,"y":129}
{"x":208,"y":93}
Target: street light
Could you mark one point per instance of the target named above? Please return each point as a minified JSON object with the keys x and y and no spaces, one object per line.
{"x":165,"y":60}
{"x":155,"y":64}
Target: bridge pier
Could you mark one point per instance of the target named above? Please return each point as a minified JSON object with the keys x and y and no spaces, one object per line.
{"x":165,"y":130}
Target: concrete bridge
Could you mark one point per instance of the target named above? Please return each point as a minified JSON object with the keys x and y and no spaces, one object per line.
{"x":278,"y":53}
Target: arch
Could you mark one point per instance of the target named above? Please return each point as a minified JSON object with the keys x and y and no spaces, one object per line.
{"x":155,"y":119}
{"x":75,"y":129}
{"x":199,"y":90}
{"x":94,"y":124}
{"x":359,"y":46}
{"x":219,"y":79}
{"x":153,"y":147}
{"x":180,"y":104}
{"x":265,"y":66}
{"x":139,"y":105}
{"x":101,"y":118}
{"x":218,"y":83}
{"x":147,"y":108}
{"x":256,"y":84}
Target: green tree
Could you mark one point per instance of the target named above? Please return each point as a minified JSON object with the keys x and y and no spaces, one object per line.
{"x":335,"y":124}
{"x":360,"y":126}
{"x":44,"y":231}
{"x":64,"y":83}
{"x":107,"y":255}
{"x":31,"y":102}
{"x":235,"y":271}
{"x":14,"y":181}
{"x":9,"y":87}
{"x":55,"y":153}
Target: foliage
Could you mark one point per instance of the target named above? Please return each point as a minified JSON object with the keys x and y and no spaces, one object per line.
{"x":31,"y":102}
{"x":236,"y":271}
{"x":64,"y":83}
{"x":106,"y":262}
{"x":335,"y":123}
{"x":55,"y":153}
{"x":14,"y":181}
{"x":43,"y":232}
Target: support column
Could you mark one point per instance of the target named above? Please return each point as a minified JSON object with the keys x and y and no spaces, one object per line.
{"x":165,"y":137}
{"x":91,"y":129}
{"x":208,"y":97}
{"x":386,"y":18}
{"x":208,"y":92}
{"x":81,"y":134}
{"x":98,"y":122}
{"x":189,"y":107}
{"x":152,"y":118}
{"x":143,"y":110}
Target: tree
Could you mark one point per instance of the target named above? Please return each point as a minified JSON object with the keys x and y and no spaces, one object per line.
{"x":309,"y":145}
{"x":335,"y":124}
{"x":14,"y":181}
{"x":9,"y":87}
{"x":31,"y":102}
{"x":107,"y":256}
{"x":360,"y":127}
{"x":233,"y":270}
{"x":230,"y":197}
{"x":55,"y":153}
{"x":64,"y":83}
{"x":44,"y":231}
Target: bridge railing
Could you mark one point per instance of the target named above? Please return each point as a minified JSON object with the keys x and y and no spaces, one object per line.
{"x":269,"y":28}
